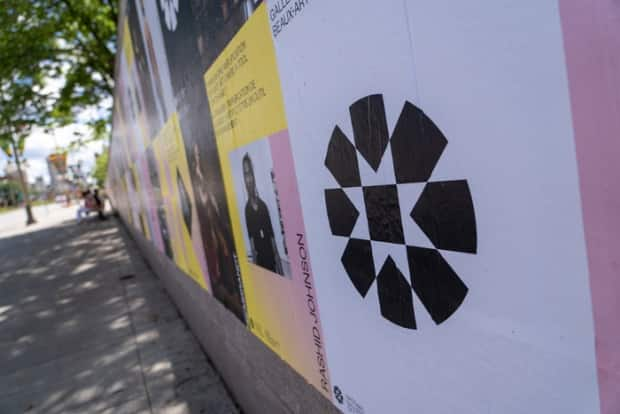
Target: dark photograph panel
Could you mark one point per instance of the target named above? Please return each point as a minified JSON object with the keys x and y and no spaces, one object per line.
{"x":210,"y":198}
{"x":204,"y":28}
{"x":158,"y":201}
{"x":217,"y":22}
{"x":141,"y":65}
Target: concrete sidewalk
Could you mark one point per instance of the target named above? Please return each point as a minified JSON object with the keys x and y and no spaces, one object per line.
{"x":85,"y":327}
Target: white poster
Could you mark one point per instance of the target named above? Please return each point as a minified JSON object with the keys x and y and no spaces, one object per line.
{"x":436,"y":167}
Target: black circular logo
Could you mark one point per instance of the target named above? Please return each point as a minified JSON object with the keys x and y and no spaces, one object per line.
{"x":444,"y":211}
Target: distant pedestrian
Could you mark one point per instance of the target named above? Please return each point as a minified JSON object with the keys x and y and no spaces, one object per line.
{"x":88,"y":206}
{"x":99,"y":204}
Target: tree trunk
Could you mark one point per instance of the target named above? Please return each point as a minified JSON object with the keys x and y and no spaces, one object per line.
{"x":30,"y":218}
{"x":12,"y":197}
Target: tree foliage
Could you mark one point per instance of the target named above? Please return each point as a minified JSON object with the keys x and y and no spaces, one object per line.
{"x":58,"y":61}
{"x":101,"y":168}
{"x":10,"y":191}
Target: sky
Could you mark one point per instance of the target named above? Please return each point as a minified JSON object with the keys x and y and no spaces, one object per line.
{"x":40,"y":144}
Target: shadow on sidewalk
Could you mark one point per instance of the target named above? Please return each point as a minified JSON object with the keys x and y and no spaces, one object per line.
{"x":86,"y":327}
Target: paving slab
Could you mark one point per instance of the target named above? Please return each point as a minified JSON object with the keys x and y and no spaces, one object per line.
{"x":86,"y":327}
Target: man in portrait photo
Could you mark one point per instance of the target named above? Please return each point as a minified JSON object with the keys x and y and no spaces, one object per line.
{"x":260,"y":230}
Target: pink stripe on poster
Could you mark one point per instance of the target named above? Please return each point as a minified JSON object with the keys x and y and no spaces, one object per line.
{"x":313,"y":342}
{"x":592,"y":43}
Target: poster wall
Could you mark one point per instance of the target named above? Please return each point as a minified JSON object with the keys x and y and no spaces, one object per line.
{"x":179,"y":202}
{"x":253,"y":142}
{"x":391,"y":201}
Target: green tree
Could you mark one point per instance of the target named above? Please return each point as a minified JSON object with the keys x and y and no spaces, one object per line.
{"x":10,"y":192}
{"x":101,"y":168}
{"x":69,"y":45}
{"x":57,"y":63}
{"x":12,"y":143}
{"x":21,"y":107}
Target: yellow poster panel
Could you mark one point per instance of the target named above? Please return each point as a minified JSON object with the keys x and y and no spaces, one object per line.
{"x":121,"y":130}
{"x":246,"y":104}
{"x":178,"y":200}
{"x":127,"y":46}
{"x":249,"y":120}
{"x":126,"y":204}
{"x":243,"y":87}
{"x":132,"y":91}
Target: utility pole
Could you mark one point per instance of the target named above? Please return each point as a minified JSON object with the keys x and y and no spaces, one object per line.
{"x":30,"y":218}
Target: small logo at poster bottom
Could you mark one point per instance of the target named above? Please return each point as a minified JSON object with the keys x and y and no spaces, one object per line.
{"x":444,"y":211}
{"x":338,"y":395}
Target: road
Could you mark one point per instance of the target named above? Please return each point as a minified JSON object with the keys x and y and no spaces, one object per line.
{"x":85,"y":326}
{"x":14,"y":222}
